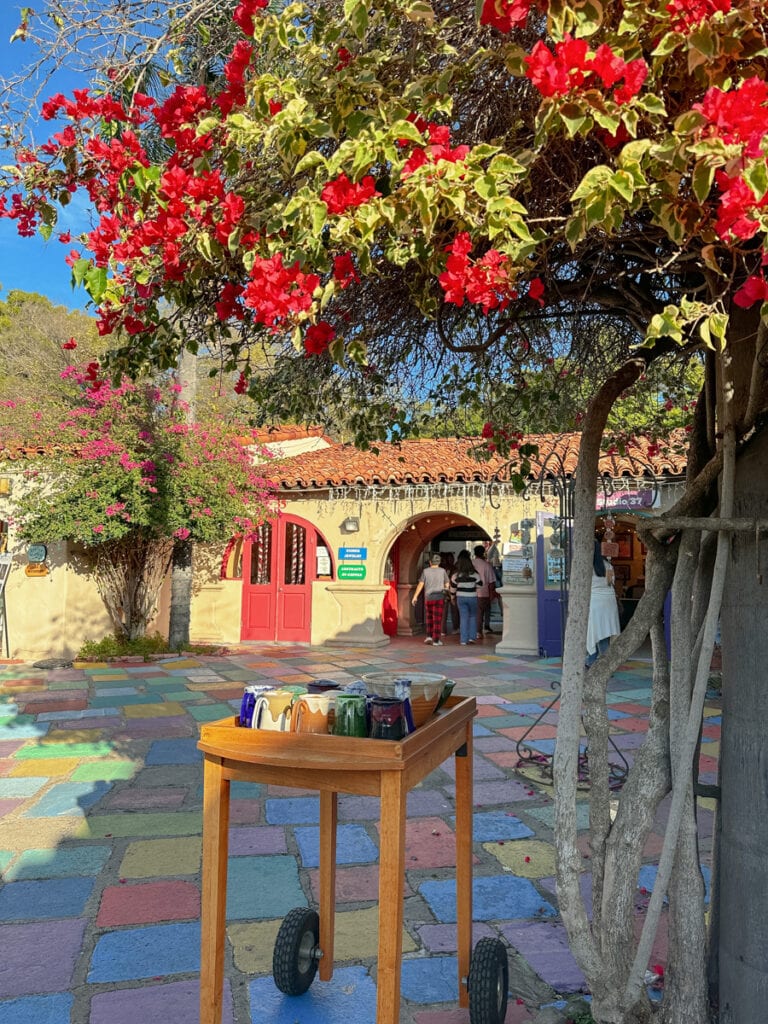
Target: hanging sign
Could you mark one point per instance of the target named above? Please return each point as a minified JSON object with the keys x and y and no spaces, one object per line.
{"x":353,"y":554}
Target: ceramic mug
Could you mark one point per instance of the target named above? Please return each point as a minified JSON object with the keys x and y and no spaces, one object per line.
{"x":388,"y":719}
{"x":322,"y":686}
{"x":311,"y":712}
{"x":248,"y":702}
{"x":351,"y":717}
{"x":272,"y":711}
{"x":293,"y":688}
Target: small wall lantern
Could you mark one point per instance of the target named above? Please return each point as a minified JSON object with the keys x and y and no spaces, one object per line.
{"x":350,"y":525}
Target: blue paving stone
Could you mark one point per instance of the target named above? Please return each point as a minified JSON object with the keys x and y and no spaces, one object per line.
{"x":493,"y":898}
{"x":547,"y":746}
{"x":22,"y":786}
{"x":176,"y":751}
{"x":8,"y":709}
{"x":55,"y":716}
{"x":53,"y":1009}
{"x":116,"y":691}
{"x":353,"y":846}
{"x":480,"y":730}
{"x":348,"y":998}
{"x":146,"y":953}
{"x":647,"y":878}
{"x":302,"y":810}
{"x":713,"y":720}
{"x":59,"y":863}
{"x":614,"y":716}
{"x":495,"y":825}
{"x":15,"y":729}
{"x":51,"y":898}
{"x":68,"y":798}
{"x":433,"y":980}
{"x":263,"y":887}
{"x":529,"y":710}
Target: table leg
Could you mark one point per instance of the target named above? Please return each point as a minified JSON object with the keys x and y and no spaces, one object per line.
{"x":214,"y":890}
{"x":391,"y":876}
{"x":328,"y":822}
{"x":464,"y":862}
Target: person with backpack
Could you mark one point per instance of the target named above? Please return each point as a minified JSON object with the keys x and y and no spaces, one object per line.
{"x":465,"y":583}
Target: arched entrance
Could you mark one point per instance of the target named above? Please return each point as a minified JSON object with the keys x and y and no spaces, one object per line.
{"x":280,"y":563}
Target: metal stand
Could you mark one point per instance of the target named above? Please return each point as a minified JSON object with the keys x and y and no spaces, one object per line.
{"x":534,"y":765}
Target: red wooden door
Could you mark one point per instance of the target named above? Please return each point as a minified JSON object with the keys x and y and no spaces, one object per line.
{"x":279,"y":564}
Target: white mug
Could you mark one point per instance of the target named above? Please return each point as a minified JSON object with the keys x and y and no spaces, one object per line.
{"x":272,"y":711}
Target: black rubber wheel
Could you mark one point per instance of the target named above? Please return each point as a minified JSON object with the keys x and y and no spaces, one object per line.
{"x":294,"y":963}
{"x":488,"y":982}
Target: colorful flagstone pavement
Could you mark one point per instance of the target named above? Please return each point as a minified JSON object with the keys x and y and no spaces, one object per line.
{"x":100,"y":823}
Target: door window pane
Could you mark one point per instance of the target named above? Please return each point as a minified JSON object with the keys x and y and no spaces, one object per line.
{"x":261,"y":555}
{"x":295,"y":550}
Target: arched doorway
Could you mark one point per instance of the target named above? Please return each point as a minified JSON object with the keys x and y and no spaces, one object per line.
{"x":280,"y":563}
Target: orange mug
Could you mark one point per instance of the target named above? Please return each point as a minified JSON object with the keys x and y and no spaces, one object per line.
{"x":312,"y":712}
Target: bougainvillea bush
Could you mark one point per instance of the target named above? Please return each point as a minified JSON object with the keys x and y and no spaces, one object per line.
{"x":364,"y":178}
{"x":125,"y":473}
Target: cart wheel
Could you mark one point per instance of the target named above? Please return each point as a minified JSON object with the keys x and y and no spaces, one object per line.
{"x":294,"y":963}
{"x":488,"y":983}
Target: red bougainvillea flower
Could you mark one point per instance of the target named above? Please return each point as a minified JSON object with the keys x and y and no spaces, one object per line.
{"x":484,"y":282}
{"x":344,"y":270}
{"x":570,"y":68}
{"x":536,"y":290}
{"x":439,"y":148}
{"x":739,"y":116}
{"x":754,"y":289}
{"x":340,"y":194}
{"x":70,"y":344}
{"x":688,"y":14}
{"x":245,"y":13}
{"x":344,"y":57}
{"x":275,"y":292}
{"x":241,"y":384}
{"x":318,"y":338}
{"x":504,"y":15}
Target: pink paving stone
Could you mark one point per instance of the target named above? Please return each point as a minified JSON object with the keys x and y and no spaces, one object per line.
{"x":707,"y":764}
{"x":429,"y":843}
{"x":355,"y":884}
{"x":7,"y":764}
{"x":541,"y":732}
{"x":630,"y":725}
{"x":148,"y":902}
{"x":39,"y":957}
{"x":45,"y":706}
{"x":516,"y":1014}
{"x":147,"y":798}
{"x":7,"y":805}
{"x":245,"y":812}
{"x":490,"y":711}
{"x":711,"y":732}
{"x":153,"y":1004}
{"x":632,"y":709}
{"x":57,"y":696}
{"x":9,"y":747}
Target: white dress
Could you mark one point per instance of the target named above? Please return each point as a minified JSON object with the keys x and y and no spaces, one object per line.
{"x":603,"y":611}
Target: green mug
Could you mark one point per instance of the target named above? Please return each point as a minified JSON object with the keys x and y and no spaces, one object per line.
{"x":350,"y":715}
{"x":295,"y":689}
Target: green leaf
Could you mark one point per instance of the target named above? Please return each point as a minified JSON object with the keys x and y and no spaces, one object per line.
{"x":356,"y":13}
{"x":703,"y":175}
{"x":96,"y":282}
{"x":668,"y":44}
{"x":756,"y":176}
{"x":623,"y":185}
{"x":420,"y":13}
{"x":596,"y":179}
{"x":309,"y":161}
{"x":79,"y":270}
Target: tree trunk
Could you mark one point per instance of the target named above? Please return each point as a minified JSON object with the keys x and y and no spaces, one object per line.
{"x":742,"y":877}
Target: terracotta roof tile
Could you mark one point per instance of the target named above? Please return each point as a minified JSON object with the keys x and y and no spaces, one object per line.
{"x":449,"y":460}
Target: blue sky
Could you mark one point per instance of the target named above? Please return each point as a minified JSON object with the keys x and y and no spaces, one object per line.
{"x":31,"y":264}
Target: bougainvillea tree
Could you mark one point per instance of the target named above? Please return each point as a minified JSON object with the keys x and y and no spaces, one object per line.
{"x":366,"y":174}
{"x":125,"y":474}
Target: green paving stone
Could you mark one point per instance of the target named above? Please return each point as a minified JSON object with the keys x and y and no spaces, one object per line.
{"x":49,"y":750}
{"x":81,"y":687}
{"x":166,"y":683}
{"x":121,"y":700}
{"x":60,"y":863}
{"x":157,"y":858}
{"x":546,"y":815}
{"x":209,"y":712}
{"x":107,"y":770}
{"x":99,"y":826}
{"x":180,"y":696}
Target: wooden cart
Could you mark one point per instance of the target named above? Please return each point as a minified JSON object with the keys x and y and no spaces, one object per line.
{"x":338,"y":764}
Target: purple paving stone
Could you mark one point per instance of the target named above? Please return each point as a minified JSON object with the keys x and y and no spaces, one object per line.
{"x":178,"y":1001}
{"x":428,"y":803}
{"x":441,"y":938}
{"x":348,"y":998}
{"x":545,"y":947}
{"x":143,"y":728}
{"x":244,"y":842}
{"x":9,"y":747}
{"x":481,"y":769}
{"x":359,"y":808}
{"x":486,"y":794}
{"x":493,"y":744}
{"x":628,"y":740}
{"x":55,"y":1009}
{"x":585,"y":887}
{"x":8,"y":805}
{"x":40,"y":957}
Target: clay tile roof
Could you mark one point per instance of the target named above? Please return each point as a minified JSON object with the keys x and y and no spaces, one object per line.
{"x":449,"y":460}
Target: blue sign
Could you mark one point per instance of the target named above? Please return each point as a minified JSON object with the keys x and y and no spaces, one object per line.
{"x":353,"y":554}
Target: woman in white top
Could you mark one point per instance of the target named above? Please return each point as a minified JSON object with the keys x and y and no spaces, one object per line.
{"x":603,"y":607}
